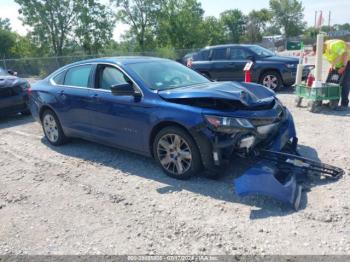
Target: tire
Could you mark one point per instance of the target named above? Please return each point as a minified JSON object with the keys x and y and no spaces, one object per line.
{"x":272,"y":80}
{"x":298,"y":100}
{"x":333,"y":104}
{"x":52,"y":128}
{"x":314,"y":106}
{"x":177,"y":153}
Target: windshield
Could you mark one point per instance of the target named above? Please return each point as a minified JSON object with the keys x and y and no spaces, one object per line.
{"x":163,"y":75}
{"x":260,"y":51}
{"x":3,"y":72}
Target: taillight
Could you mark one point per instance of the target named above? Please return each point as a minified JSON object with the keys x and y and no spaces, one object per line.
{"x":189,"y":62}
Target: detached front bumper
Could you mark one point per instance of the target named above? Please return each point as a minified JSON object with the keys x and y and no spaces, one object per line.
{"x":265,"y":178}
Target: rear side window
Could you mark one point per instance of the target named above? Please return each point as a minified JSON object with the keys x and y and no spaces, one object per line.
{"x":78,"y":76}
{"x":219,"y":54}
{"x":59,"y":79}
{"x":203,"y":55}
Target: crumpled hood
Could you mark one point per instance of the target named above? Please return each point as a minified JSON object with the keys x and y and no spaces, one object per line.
{"x":10,"y":81}
{"x":247,"y":94}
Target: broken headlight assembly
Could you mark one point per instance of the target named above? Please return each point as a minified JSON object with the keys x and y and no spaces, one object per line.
{"x":228,"y":125}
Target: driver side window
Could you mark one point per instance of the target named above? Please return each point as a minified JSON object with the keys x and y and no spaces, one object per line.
{"x":239,"y":54}
{"x":110,"y":76}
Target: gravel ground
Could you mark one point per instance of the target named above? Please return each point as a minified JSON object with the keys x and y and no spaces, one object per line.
{"x":85,"y":198}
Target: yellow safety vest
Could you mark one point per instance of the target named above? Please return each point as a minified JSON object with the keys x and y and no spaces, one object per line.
{"x":334,"y":49}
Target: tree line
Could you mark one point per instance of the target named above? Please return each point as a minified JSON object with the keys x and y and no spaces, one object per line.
{"x":64,"y":27}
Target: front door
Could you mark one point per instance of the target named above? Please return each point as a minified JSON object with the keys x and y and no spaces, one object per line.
{"x":118,"y":120}
{"x":239,"y":57}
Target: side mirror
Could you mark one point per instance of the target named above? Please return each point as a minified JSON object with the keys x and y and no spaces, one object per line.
{"x":11,"y":72}
{"x":125,"y":90}
{"x":252,"y":58}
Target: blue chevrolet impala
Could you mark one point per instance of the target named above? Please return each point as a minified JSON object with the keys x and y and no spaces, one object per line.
{"x":159,"y":108}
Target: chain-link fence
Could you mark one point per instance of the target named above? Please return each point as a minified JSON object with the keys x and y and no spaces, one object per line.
{"x":43,"y":66}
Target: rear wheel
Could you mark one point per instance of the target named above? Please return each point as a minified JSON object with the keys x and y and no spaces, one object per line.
{"x":298,"y":100}
{"x":272,"y":80}
{"x":176,"y":152}
{"x":52,"y":128}
{"x":314,"y":106}
{"x":333,"y":104}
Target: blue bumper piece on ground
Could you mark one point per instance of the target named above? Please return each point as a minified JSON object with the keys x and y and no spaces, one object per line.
{"x":264,"y":178}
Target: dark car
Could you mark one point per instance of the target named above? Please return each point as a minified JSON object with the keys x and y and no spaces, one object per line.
{"x":159,"y":108}
{"x":13,"y":93}
{"x":226,"y":63}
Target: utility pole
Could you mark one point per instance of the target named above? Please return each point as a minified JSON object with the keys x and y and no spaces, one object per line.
{"x":329,"y":21}
{"x":315,"y":19}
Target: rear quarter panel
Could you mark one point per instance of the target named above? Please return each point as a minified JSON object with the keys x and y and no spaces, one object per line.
{"x":42,"y":95}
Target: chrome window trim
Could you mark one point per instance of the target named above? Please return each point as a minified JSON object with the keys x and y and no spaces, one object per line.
{"x":95,"y":89}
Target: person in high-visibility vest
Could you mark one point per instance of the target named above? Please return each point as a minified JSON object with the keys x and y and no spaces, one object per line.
{"x":337,"y":53}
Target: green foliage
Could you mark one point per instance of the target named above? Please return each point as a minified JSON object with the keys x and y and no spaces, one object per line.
{"x":94,"y":25}
{"x":5,"y":24}
{"x":140,"y":15}
{"x":213,"y":31}
{"x":272,"y":30}
{"x":7,"y":41}
{"x":256,"y":25}
{"x":52,"y":21}
{"x":179,"y":24}
{"x":234,"y":22}
{"x":57,"y":22}
{"x":166,"y":52}
{"x":288,"y":15}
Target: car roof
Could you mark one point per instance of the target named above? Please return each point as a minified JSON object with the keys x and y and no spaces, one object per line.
{"x":226,"y":46}
{"x":121,"y":60}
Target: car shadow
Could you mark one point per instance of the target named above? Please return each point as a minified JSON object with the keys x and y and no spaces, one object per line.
{"x":221,"y":188}
{"x":15,"y":120}
{"x":325,"y":110}
{"x":286,"y":90}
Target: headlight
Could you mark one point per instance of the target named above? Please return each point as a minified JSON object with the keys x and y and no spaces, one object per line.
{"x":290,"y":66}
{"x":227,"y":124}
{"x":265,"y":130}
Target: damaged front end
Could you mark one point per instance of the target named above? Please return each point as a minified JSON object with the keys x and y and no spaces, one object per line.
{"x":251,"y":122}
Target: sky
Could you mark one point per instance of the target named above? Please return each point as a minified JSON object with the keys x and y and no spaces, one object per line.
{"x":340,"y":11}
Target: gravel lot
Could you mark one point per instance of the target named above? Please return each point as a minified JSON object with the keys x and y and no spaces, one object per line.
{"x":85,"y":198}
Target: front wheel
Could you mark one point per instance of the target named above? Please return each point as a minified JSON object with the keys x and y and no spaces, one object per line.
{"x":176,"y":152}
{"x":52,"y":128}
{"x":272,"y":80}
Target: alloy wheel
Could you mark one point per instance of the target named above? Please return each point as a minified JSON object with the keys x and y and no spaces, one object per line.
{"x":174,"y":154}
{"x":50,"y":128}
{"x":270,"y":81}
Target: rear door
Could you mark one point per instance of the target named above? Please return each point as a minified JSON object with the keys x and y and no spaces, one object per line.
{"x":73,"y":92}
{"x":238,"y":57}
{"x":221,"y":67}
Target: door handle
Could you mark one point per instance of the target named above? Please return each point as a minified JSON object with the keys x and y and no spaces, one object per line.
{"x":94,"y":97}
{"x":62,"y":94}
